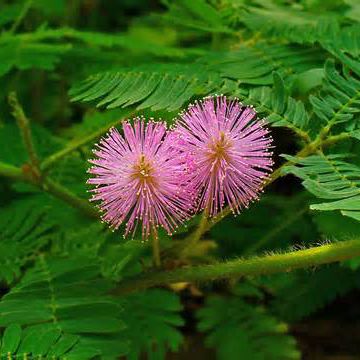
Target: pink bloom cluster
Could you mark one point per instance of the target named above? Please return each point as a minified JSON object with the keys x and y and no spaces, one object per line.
{"x":140,"y":177}
{"x":217,"y":154}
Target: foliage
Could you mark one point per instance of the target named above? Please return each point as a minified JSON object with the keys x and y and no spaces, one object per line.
{"x":23,"y":232}
{"x":329,"y":177}
{"x":156,"y":86}
{"x":152,"y":318}
{"x":302,"y":293}
{"x":79,"y":68}
{"x":62,"y":298}
{"x":238,"y":328}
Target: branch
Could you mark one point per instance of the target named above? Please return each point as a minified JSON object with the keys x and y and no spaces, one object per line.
{"x":48,"y":186}
{"x":189,"y":243}
{"x":26,"y":7}
{"x":72,"y":146}
{"x":64,"y":194}
{"x":268,"y":264}
{"x":11,"y":171}
{"x":24,"y":127}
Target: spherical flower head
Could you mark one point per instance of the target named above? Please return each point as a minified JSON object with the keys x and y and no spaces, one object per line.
{"x":140,"y":178}
{"x":229,"y":150}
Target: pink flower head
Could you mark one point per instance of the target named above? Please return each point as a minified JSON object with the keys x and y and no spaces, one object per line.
{"x":230,"y":152}
{"x":140,"y":177}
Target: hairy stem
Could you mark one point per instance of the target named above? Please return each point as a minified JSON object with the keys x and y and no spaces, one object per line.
{"x":24,"y":127}
{"x":334,"y":139}
{"x":268,"y":264}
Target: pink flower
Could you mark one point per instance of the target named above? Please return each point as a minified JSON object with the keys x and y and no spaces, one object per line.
{"x":230,"y":152}
{"x":141,"y":178}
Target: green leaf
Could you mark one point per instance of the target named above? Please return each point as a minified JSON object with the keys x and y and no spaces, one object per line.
{"x":300,"y":294}
{"x":28,"y":55}
{"x":255,"y":64}
{"x":45,"y":342}
{"x":329,"y":177}
{"x":152,"y":319}
{"x":9,"y":13}
{"x":23,"y":232}
{"x":11,"y":339}
{"x":340,"y":99}
{"x":156,"y":87}
{"x":237,"y":329}
{"x":355,"y":134}
{"x":196,"y":14}
{"x":62,"y":298}
{"x":280,"y":109}
{"x":290,"y":23}
{"x":14,"y":153}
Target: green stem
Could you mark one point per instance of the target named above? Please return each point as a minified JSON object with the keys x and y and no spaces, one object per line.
{"x":156,"y":250}
{"x":50,"y":187}
{"x":20,"y":18}
{"x":11,"y":171}
{"x":191,"y":240}
{"x":24,"y":127}
{"x":331,"y":140}
{"x":255,"y":266}
{"x":68,"y":197}
{"x":52,"y":159}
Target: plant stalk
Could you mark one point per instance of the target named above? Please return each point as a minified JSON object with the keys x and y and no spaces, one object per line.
{"x":255,"y":266}
{"x":20,"y":18}
{"x":24,"y":127}
{"x":191,"y":240}
{"x":49,"y":186}
{"x":74,"y":145}
{"x":156,"y":250}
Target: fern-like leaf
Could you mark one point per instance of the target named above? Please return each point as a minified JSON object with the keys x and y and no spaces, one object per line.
{"x":24,"y":55}
{"x":195,"y":14}
{"x":293,"y":25}
{"x":302,"y":293}
{"x":47,"y":343}
{"x":340,"y":98}
{"x":255,"y":64}
{"x":152,"y":318}
{"x":156,"y":87}
{"x":67,"y":297}
{"x":279,"y":108}
{"x":239,"y":330}
{"x":23,"y":232}
{"x":170,"y":86}
{"x":329,"y":177}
